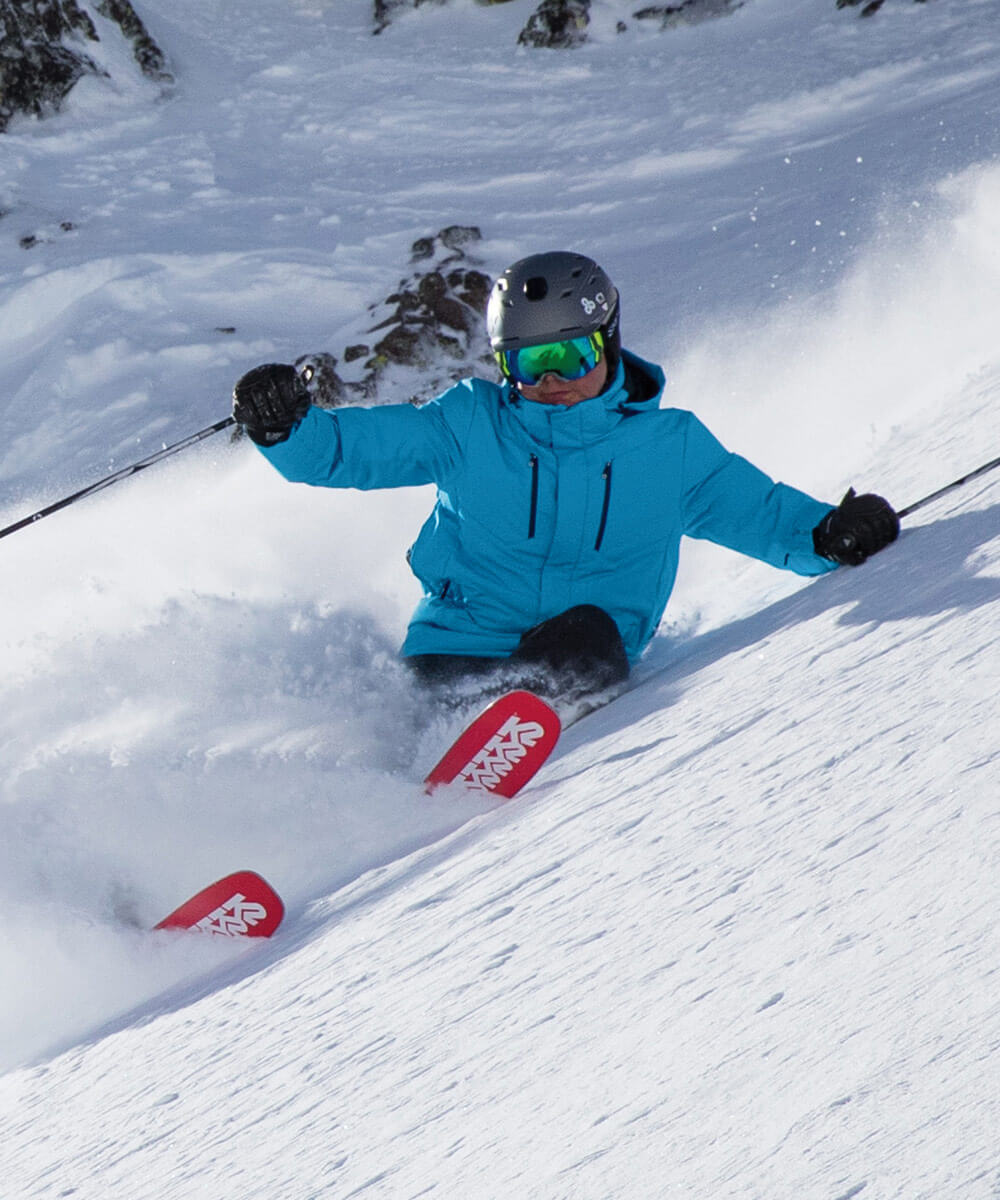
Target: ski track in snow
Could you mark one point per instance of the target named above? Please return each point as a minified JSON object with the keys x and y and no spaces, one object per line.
{"x":738,"y":939}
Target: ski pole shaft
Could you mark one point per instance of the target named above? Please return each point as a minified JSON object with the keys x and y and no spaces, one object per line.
{"x":949,"y":487}
{"x":124,"y":473}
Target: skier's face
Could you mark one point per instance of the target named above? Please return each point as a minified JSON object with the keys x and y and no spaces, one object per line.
{"x":550,"y":389}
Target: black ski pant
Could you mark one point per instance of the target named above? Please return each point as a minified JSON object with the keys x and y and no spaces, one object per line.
{"x":578,"y":652}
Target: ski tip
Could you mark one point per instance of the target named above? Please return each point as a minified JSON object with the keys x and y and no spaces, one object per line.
{"x":242,"y":904}
{"x":501,"y":750}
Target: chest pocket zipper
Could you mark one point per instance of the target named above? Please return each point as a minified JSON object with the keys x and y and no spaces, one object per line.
{"x":606,"y":476}
{"x":605,"y":505}
{"x":533,"y":512}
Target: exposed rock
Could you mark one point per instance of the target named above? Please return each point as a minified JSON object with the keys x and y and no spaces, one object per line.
{"x":686,"y":12}
{"x":44,"y":51}
{"x":385,"y":9}
{"x":146,"y":52}
{"x":47,"y":233}
{"x":557,"y":24}
{"x":325,"y":386}
{"x":36,"y":69}
{"x":453,"y":237}
{"x":430,"y":331}
{"x":870,"y":8}
{"x":562,"y":24}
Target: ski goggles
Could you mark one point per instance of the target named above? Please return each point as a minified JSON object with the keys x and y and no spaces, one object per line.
{"x":570,"y":360}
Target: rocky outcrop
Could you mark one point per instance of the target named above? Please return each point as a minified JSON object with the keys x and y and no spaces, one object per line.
{"x":44,"y":48}
{"x":563,"y":24}
{"x":429,"y":332}
{"x":385,"y":10}
{"x":557,"y":25}
{"x":145,"y":51}
{"x":868,"y":7}
{"x":686,"y":12}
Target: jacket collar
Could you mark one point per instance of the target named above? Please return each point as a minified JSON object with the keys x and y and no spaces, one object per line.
{"x":593,"y":419}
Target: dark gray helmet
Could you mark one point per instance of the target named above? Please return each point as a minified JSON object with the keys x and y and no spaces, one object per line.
{"x":551,"y":297}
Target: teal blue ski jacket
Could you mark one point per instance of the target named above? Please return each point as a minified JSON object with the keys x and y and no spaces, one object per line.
{"x":542,"y":507}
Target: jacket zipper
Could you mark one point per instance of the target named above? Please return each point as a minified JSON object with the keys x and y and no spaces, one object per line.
{"x":534,"y":495}
{"x":606,"y":476}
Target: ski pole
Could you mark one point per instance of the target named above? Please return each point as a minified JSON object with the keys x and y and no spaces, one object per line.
{"x":124,"y":473}
{"x":949,"y":487}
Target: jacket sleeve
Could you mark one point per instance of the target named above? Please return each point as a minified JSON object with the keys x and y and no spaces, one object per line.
{"x":396,"y":445}
{"x":728,"y":500}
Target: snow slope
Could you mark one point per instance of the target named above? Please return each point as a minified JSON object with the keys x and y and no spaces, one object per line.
{"x":739,"y":939}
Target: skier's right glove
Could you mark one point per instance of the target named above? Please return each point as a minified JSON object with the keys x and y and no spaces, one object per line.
{"x":268,"y":402}
{"x":857,"y":528}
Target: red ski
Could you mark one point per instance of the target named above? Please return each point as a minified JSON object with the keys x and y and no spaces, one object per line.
{"x":502,"y":748}
{"x":240,"y":905}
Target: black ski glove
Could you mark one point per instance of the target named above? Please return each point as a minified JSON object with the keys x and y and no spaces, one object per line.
{"x":268,"y":401}
{"x":859,"y":527}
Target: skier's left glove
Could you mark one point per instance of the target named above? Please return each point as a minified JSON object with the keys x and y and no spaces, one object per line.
{"x":268,"y":402}
{"x":857,"y":528}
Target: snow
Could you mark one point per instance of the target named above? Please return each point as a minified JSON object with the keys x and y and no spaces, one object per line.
{"x":738,"y":940}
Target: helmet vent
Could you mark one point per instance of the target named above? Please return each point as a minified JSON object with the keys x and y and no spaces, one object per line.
{"x":536,"y":288}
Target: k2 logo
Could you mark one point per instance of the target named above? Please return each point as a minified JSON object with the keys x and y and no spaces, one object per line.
{"x":234,"y":918}
{"x":506,"y":747}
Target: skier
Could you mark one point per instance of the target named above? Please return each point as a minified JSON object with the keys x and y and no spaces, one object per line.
{"x":562,"y":491}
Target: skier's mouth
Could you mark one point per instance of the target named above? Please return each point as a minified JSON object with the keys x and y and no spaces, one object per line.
{"x":557,"y":396}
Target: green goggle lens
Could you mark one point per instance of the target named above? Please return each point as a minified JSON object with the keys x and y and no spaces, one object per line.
{"x":571,"y":359}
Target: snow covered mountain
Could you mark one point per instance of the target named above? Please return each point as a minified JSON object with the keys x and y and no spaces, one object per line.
{"x":739,"y":938}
